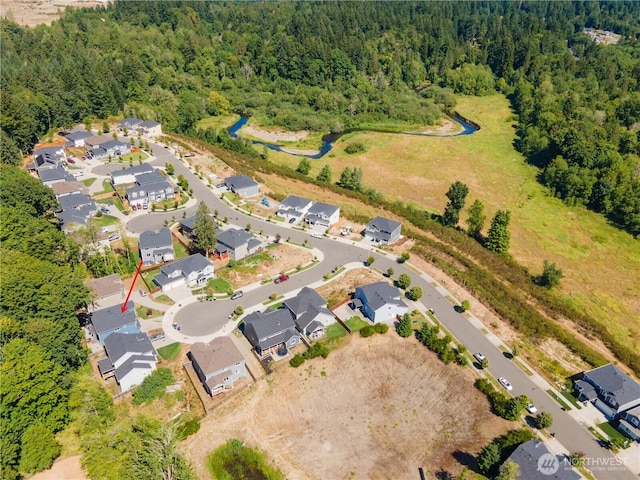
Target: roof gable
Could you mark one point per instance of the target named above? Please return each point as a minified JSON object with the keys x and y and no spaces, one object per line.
{"x":220,"y":354}
{"x":191,"y":264}
{"x":611,"y":379}
{"x":383,"y":224}
{"x":118,"y":345}
{"x":154,"y":240}
{"x":234,"y":237}
{"x":295,"y":202}
{"x":379,"y":294}
{"x":110,"y":318}
{"x":306,"y":298}
{"x":320,"y":208}
{"x":238,"y":182}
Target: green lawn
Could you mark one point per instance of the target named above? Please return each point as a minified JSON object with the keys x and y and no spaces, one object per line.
{"x":115,"y":200}
{"x":104,"y":221}
{"x":611,"y":431}
{"x":180,"y":250}
{"x":89,"y":181}
{"x":146,"y":313}
{"x":355,"y":324}
{"x":148,"y":276}
{"x":134,"y":157}
{"x":558,"y":399}
{"x":164,"y":299}
{"x":335,"y":330}
{"x":169,"y":352}
{"x":574,"y":401}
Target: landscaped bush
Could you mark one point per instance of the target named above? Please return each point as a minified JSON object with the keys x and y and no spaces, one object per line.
{"x":381,"y":328}
{"x":503,"y":405}
{"x":316,"y":350}
{"x":405,"y":326}
{"x":187,"y":428}
{"x":152,"y":386}
{"x":296,"y":361}
{"x":367,"y":331}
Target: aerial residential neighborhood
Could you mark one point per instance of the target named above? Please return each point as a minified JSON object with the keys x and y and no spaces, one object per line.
{"x":320,"y":240}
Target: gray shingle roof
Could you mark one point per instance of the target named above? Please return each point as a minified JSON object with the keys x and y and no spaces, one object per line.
{"x":135,"y":170}
{"x":270,"y":328}
{"x":527,"y":455}
{"x":105,"y":365}
{"x":76,"y":200}
{"x":379,"y":294}
{"x":383,"y":226}
{"x":111,"y":317}
{"x":149,"y":178}
{"x":149,"y":124}
{"x":295,"y":202}
{"x":118,"y":345}
{"x":221,"y":353}
{"x":192,"y":263}
{"x":80,"y":135}
{"x":188,"y":222}
{"x":52,"y":174}
{"x":114,"y":144}
{"x":238,"y":182}
{"x":234,"y":237}
{"x":154,"y":240}
{"x":322,"y":209}
{"x":136,"y":361}
{"x":129,"y":122}
{"x":306,"y":298}
{"x":613,"y":380}
{"x":76,"y":215}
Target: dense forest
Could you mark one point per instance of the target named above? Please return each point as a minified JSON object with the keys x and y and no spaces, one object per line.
{"x":331,"y":66}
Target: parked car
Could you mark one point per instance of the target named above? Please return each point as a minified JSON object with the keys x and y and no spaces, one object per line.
{"x":143,"y":292}
{"x":114,"y":237}
{"x":292,"y":219}
{"x":531,"y":408}
{"x":281,"y":278}
{"x":71,"y":160}
{"x":505,"y":383}
{"x":220,"y":185}
{"x":105,"y":209}
{"x":317,"y":235}
{"x":236,"y":295}
{"x":190,"y":154}
{"x":479,"y":357}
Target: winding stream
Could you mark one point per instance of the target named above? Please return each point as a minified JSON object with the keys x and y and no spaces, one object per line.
{"x":329,"y":139}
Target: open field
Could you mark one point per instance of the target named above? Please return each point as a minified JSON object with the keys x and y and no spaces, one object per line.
{"x":382,"y":416}
{"x":35,"y":12}
{"x":601,"y":264}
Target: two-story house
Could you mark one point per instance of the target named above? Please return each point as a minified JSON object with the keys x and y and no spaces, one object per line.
{"x":107,"y":321}
{"x":150,"y":187}
{"x":45,"y":158}
{"x":323,"y":214}
{"x":236,"y":244}
{"x":54,"y":175}
{"x":218,"y":364}
{"x":630,"y":423}
{"x":382,"y":230}
{"x":75,"y":210}
{"x":294,"y":208}
{"x":380,"y":302}
{"x":106,"y":287}
{"x":242,"y":185}
{"x":191,"y":271}
{"x":110,"y":149}
{"x":527,"y":456}
{"x":609,"y":389}
{"x":310,"y":313}
{"x":156,"y":247}
{"x":77,"y":138}
{"x":271,"y":332}
{"x":127,"y":176}
{"x":130,"y":359}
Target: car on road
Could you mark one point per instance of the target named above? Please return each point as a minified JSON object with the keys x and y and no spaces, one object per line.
{"x":292,"y":219}
{"x":281,"y":278}
{"x":531,"y":408}
{"x":114,"y":237}
{"x":237,"y":295}
{"x":190,"y":154}
{"x":479,"y":357}
{"x":505,"y":383}
{"x":143,"y":292}
{"x":317,"y":235}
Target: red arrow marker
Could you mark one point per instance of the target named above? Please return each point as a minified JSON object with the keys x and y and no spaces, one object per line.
{"x":123,"y":308}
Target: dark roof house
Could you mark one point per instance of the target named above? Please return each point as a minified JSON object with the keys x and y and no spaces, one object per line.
{"x":110,"y":320}
{"x":383,"y":230}
{"x":242,"y":185}
{"x":192,"y":270}
{"x":236,"y":243}
{"x":156,"y":247}
{"x":130,"y":358}
{"x":535,"y":462}
{"x":310,"y":312}
{"x":271,"y":332}
{"x":381,"y":302}
{"x":323,"y":214}
{"x":76,"y":139}
{"x":610,"y":389}
{"x":294,"y":206}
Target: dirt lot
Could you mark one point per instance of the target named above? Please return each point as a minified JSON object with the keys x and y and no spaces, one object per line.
{"x":394,"y":409}
{"x":35,"y":12}
{"x":66,"y":469}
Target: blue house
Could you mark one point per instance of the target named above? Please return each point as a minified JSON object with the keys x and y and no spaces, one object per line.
{"x":111,"y":320}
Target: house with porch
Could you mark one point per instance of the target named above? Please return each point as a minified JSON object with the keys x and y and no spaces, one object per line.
{"x":323,"y":214}
{"x":191,"y":271}
{"x":236,"y":244}
{"x":242,"y":185}
{"x":380,"y":302}
{"x":382,"y":230}
{"x":294,"y":207}
{"x":107,"y":321}
{"x":130,"y":359}
{"x":271,"y":332}
{"x":630,"y":423}
{"x":526,"y":456}
{"x":218,"y":364}
{"x":156,"y":247}
{"x":128,"y":176}
{"x":150,"y":187}
{"x":310,"y":313}
{"x":609,"y":389}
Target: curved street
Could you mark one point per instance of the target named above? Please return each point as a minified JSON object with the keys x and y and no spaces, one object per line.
{"x":204,"y":318}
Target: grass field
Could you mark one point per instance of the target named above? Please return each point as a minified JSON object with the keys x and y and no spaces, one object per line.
{"x":217,"y":122}
{"x":169,"y":352}
{"x":420,"y":170}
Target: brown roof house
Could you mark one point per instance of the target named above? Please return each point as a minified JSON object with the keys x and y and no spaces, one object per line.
{"x":218,"y":364}
{"x":105,"y":287}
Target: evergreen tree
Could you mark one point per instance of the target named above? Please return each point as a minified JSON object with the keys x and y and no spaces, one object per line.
{"x":499,"y":236}
{"x":405,"y":326}
{"x":488,"y":457}
{"x":457,"y":195}
{"x":476,"y":219}
{"x":204,"y":229}
{"x":551,"y":275}
{"x":9,"y":153}
{"x":304,"y":166}
{"x":325,"y":174}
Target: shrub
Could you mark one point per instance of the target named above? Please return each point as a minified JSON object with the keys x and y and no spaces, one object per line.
{"x":465,"y":305}
{"x":317,"y":350}
{"x":152,"y":386}
{"x":187,"y":428}
{"x":404,"y":258}
{"x":381,"y":328}
{"x":367,"y":331}
{"x":543,"y":420}
{"x":356,"y":147}
{"x":296,"y":361}
{"x":414,"y":293}
{"x":404,"y":281}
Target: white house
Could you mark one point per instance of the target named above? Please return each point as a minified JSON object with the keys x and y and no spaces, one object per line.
{"x":156,"y":247}
{"x":382,"y":230}
{"x":191,"y":271}
{"x":150,"y":128}
{"x":128,"y":175}
{"x":323,"y":214}
{"x":76,"y":139}
{"x":242,"y":185}
{"x":380,"y":302}
{"x":130,"y":359}
{"x":294,"y":207}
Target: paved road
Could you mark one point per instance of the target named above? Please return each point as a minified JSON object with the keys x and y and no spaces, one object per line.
{"x":568,"y":432}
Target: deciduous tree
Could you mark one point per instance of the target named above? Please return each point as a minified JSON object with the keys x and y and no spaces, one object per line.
{"x":404,"y":281}
{"x":476,"y":219}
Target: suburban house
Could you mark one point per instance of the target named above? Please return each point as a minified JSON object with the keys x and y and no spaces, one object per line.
{"x":310,"y":313}
{"x":105,"y":287}
{"x":130,"y":123}
{"x":380,"y":302}
{"x":128,"y":175}
{"x":50,"y":176}
{"x":242,"y":185}
{"x":191,"y":271}
{"x":526,"y":456}
{"x":236,"y":244}
{"x":150,"y":187}
{"x":130,"y":359}
{"x":60,"y":189}
{"x":273,"y":331}
{"x":294,"y":207}
{"x":630,"y":423}
{"x":186,"y":227}
{"x":609,"y":389}
{"x":76,"y":209}
{"x":111,"y":320}
{"x":323,"y":214}
{"x":110,"y":149}
{"x":156,"y":247}
{"x":77,"y":201}
{"x":45,"y":158}
{"x":150,"y":128}
{"x":382,"y":230}
{"x":76,"y":139}
{"x":96,"y":141}
{"x":218,"y":364}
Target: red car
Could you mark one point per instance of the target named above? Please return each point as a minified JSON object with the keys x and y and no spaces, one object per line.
{"x":281,"y":278}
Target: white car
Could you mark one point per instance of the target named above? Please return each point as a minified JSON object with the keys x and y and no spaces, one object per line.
{"x":317,"y":235}
{"x":479,"y":357}
{"x":531,"y":408}
{"x":505,"y":383}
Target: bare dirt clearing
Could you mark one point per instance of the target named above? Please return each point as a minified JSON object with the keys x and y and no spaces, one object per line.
{"x":382,"y":408}
{"x":66,"y":469}
{"x":32,"y":13}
